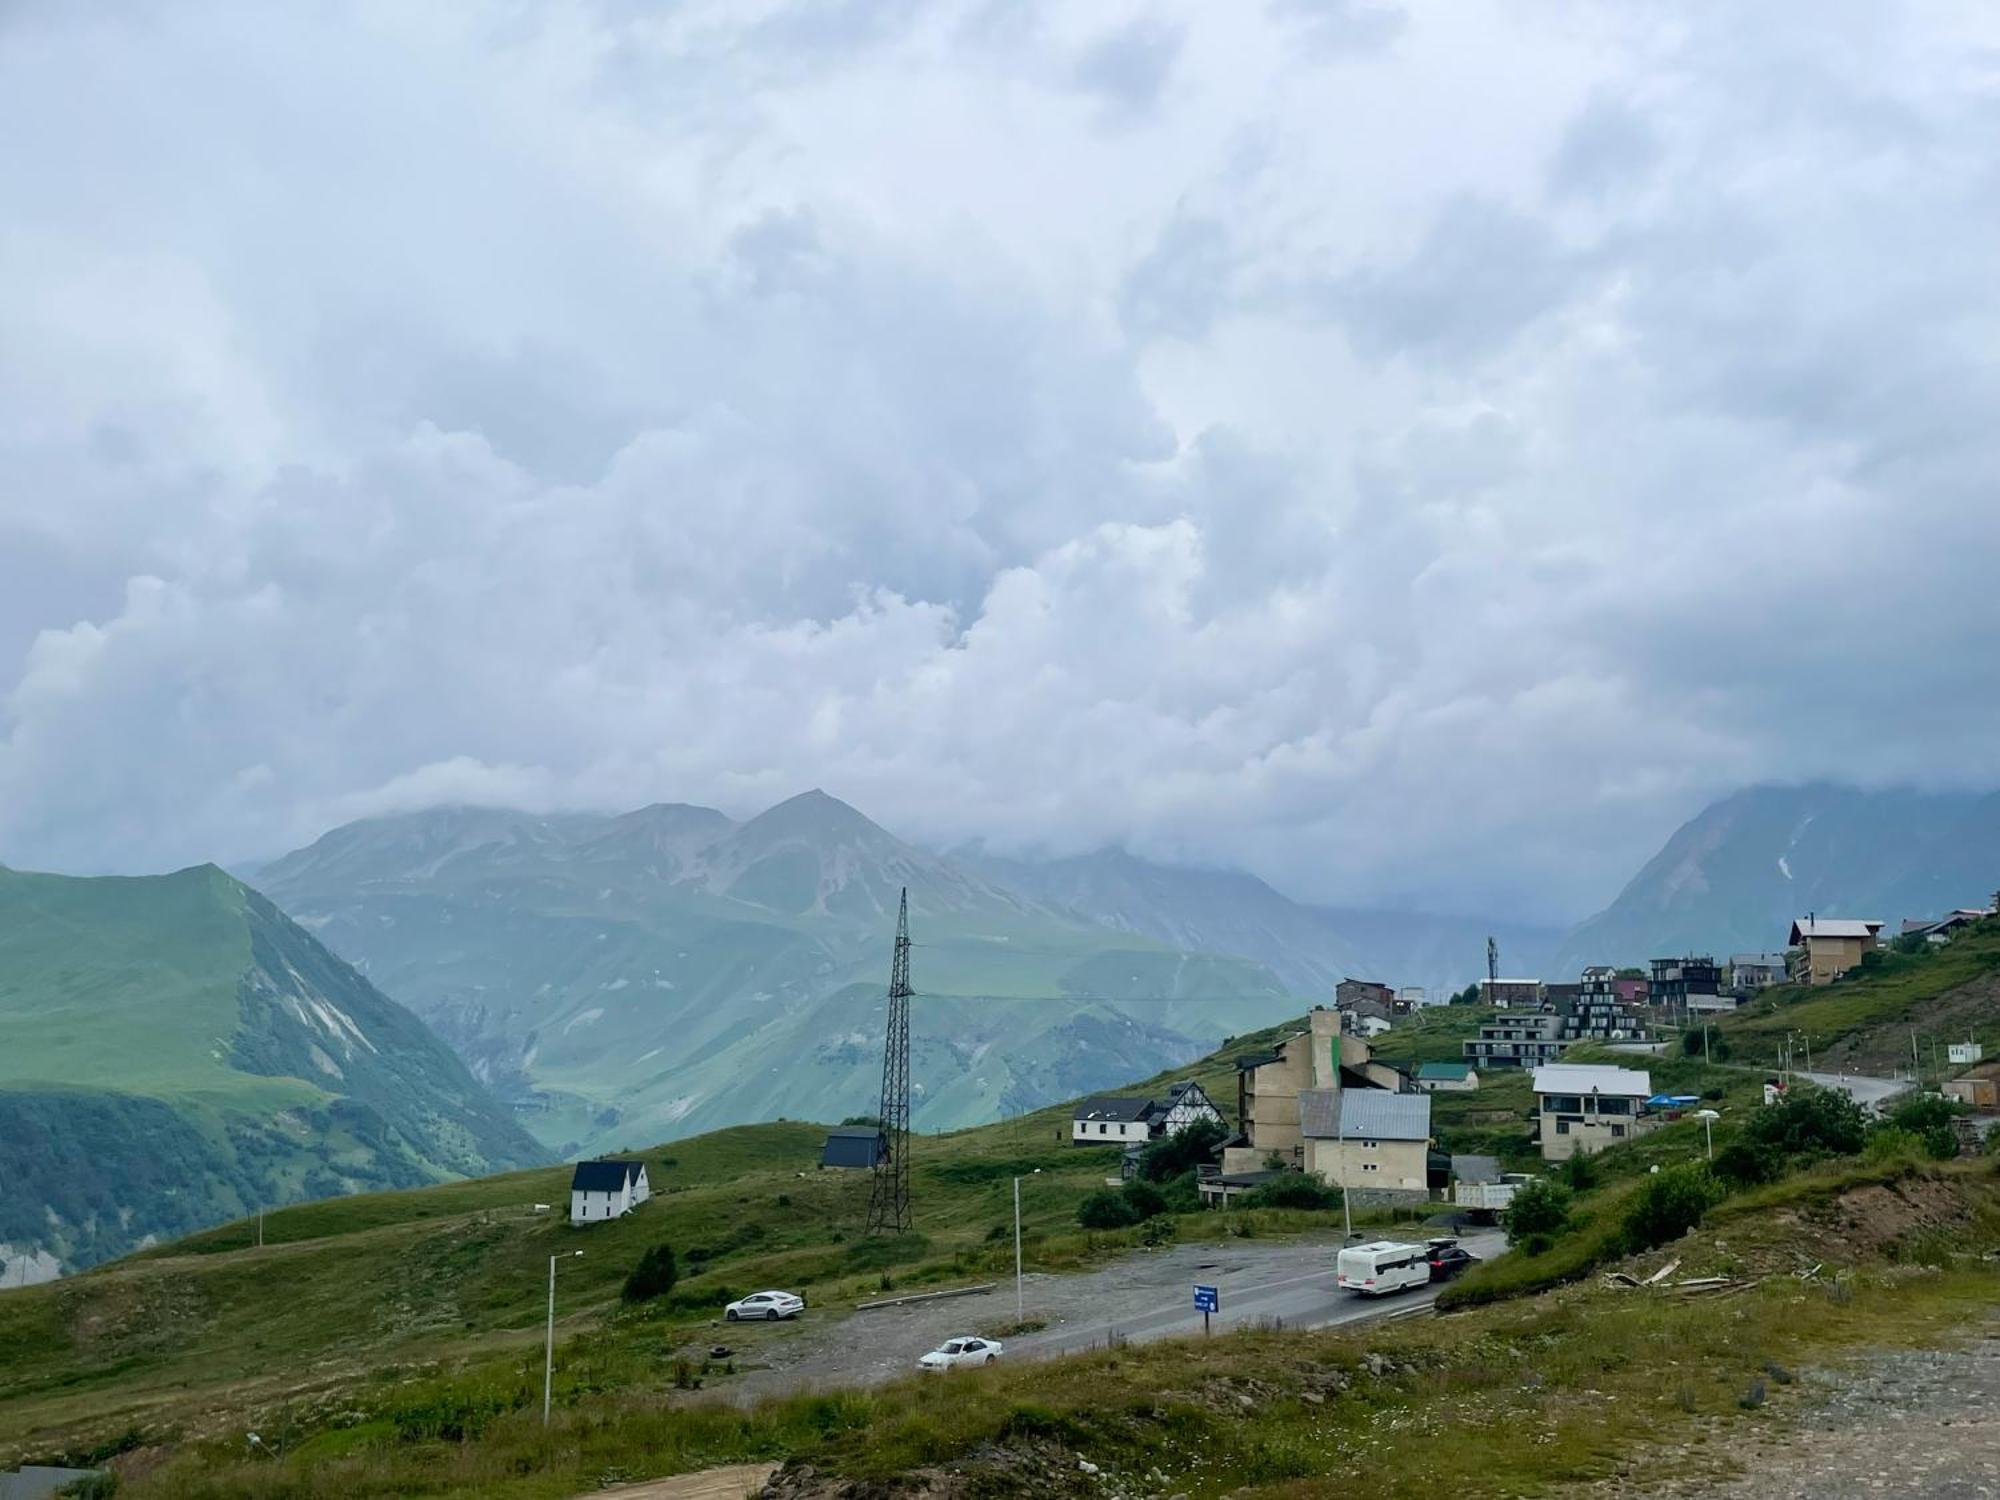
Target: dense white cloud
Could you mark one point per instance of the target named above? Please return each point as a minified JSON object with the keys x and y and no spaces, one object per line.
{"x":1420,"y":455}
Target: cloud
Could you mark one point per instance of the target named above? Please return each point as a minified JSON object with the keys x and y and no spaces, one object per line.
{"x":1427,"y":489}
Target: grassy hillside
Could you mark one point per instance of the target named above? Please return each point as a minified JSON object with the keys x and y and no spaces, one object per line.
{"x":178,"y":1052}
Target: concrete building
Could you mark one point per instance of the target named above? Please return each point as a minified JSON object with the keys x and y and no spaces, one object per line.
{"x":854,"y":1146}
{"x":1689,"y":986}
{"x":1268,"y":1085}
{"x":600,"y":1190}
{"x":1584,"y":1107}
{"x":1751,"y":972}
{"x":1598,"y":1014}
{"x":1824,"y":948}
{"x":1350,"y":990}
{"x":1516,"y":1039}
{"x":1511,"y":994}
{"x":1366,"y":1016}
{"x":1447,"y":1078}
{"x":1373,"y":1144}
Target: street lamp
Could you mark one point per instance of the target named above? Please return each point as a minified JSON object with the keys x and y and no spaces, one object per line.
{"x":1020,"y":1306}
{"x":1708,"y":1117}
{"x":549,"y":1350}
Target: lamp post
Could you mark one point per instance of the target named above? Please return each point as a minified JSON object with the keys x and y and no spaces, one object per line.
{"x":1020,"y":1306}
{"x":1340,"y":1155}
{"x":1708,"y":1117}
{"x":549,"y":1349}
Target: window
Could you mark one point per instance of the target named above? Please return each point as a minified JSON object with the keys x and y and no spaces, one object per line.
{"x":1103,"y":1129}
{"x":1369,"y":1166}
{"x":1617,"y":1131}
{"x":1562,"y":1127}
{"x":1371,"y":1145}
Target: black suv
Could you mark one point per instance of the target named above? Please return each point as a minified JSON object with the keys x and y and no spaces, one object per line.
{"x":1448,"y":1259}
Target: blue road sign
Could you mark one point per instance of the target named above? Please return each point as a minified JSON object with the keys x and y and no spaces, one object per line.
{"x":1207,"y":1300}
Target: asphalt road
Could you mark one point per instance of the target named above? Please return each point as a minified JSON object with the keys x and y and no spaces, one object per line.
{"x":1142,"y":1296}
{"x":1251,"y":1294}
{"x":1867,"y":1090}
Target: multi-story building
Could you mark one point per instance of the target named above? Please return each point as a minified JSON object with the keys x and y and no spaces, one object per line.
{"x":1824,"y":948}
{"x":1690,"y":984}
{"x":1598,"y":1014}
{"x":1268,"y":1086}
{"x":1751,"y":972}
{"x":1517,"y":1039}
{"x":1511,"y":994}
{"x":1583,"y":1108}
{"x":1348,"y":991}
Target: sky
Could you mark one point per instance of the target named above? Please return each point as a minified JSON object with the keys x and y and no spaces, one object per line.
{"x":1419,"y":455}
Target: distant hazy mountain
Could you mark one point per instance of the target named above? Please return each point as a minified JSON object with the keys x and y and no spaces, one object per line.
{"x":628,"y":979}
{"x":1733,"y":878}
{"x":1311,"y":948}
{"x":178,"y":1052}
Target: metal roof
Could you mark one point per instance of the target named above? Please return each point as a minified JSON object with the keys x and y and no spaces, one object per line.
{"x":603,"y":1176}
{"x":1115,"y":1107}
{"x":1833,"y":927}
{"x":1381,"y":1115}
{"x":1452,"y":1070}
{"x":1593,"y":1078}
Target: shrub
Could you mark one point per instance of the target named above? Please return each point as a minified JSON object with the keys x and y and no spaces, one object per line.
{"x":1581,"y":1173}
{"x":1747,"y":1163}
{"x":1929,"y":1119}
{"x":1540,"y":1211}
{"x":1294,"y":1190}
{"x":1105,"y":1209}
{"x":1171,"y":1155}
{"x":654,"y":1276}
{"x":1146,"y":1200}
{"x":1669,"y":1204}
{"x":1706,"y":1043}
{"x":1810,"y":1122}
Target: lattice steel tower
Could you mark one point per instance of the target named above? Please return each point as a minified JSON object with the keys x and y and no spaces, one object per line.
{"x":889,"y":1192}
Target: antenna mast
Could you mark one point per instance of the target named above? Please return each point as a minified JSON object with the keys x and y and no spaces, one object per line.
{"x":889,"y":1192}
{"x":1492,"y":972}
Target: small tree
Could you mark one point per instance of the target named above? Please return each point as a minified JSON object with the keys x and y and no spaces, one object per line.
{"x":1539,"y":1209}
{"x":1810,"y":1122}
{"x":1105,"y":1209}
{"x":654,"y":1276}
{"x":1748,"y":1163}
{"x":1671,"y":1203}
{"x":1182,"y":1151}
{"x":1146,"y":1200}
{"x":1581,"y":1172}
{"x":1294,"y":1190}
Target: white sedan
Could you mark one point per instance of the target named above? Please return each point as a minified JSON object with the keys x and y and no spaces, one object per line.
{"x":955,"y":1352}
{"x":768,"y":1305}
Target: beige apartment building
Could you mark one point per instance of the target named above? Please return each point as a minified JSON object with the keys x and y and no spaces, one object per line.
{"x":1268,"y":1086}
{"x":1824,"y":948}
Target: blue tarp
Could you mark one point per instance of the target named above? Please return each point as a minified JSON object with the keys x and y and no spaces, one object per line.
{"x":1672,"y":1101}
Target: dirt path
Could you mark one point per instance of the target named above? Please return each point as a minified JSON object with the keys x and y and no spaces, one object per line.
{"x":1921,"y":1425}
{"x":732,"y":1483}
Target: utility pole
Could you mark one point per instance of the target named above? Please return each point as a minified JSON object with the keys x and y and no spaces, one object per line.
{"x":889,"y":1192}
{"x":1020,"y":1306}
{"x":1340,"y":1149}
{"x":1707,"y":1057}
{"x":549,"y":1348}
{"x":1916,"y":1065}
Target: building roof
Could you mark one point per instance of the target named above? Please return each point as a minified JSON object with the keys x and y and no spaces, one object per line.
{"x":1120,"y":1107}
{"x":1453,"y":1072}
{"x":1807,"y":928}
{"x":1366,"y":1005}
{"x":1327,"y":1114}
{"x":1503,"y":979}
{"x":603,"y":1176}
{"x":1476,"y":1168}
{"x":1757,"y":960}
{"x":1256,"y":1060}
{"x":1593,"y":1078}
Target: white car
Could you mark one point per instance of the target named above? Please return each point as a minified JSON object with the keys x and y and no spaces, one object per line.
{"x":767,"y":1305}
{"x":955,"y":1352}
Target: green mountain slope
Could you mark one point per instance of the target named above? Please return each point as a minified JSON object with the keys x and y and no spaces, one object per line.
{"x":635,"y":978}
{"x":1733,"y":878}
{"x":178,"y":1052}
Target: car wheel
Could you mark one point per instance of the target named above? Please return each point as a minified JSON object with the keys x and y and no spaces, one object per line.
{"x":771,"y":1316}
{"x":988,"y":1360}
{"x":730,"y":1315}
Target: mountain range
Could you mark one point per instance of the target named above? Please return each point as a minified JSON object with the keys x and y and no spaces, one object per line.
{"x":1734,"y":877}
{"x":626,"y":979}
{"x":180,"y":1052}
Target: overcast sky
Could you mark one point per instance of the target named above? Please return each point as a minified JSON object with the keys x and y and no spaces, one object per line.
{"x":1419,"y":456}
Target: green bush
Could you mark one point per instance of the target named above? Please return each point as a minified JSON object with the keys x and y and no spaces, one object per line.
{"x":1105,"y":1209}
{"x":1172,"y":1155}
{"x":1929,"y":1119}
{"x":1294,"y":1190}
{"x":1146,"y":1200}
{"x":1670,"y":1203}
{"x":654,"y":1276}
{"x":1810,"y":1122}
{"x":1887,"y":1142}
{"x":1581,"y":1173}
{"x":1747,"y":1163}
{"x":1540,"y":1211}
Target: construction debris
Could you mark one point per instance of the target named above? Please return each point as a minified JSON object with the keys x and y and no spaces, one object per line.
{"x":1688,"y":1286}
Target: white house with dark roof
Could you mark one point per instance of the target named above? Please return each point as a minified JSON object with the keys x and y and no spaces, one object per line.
{"x":600,"y":1190}
{"x":1113,"y":1120}
{"x":1584,"y":1107}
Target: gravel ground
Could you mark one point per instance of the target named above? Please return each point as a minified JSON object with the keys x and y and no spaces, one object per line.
{"x":1922,"y":1425}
